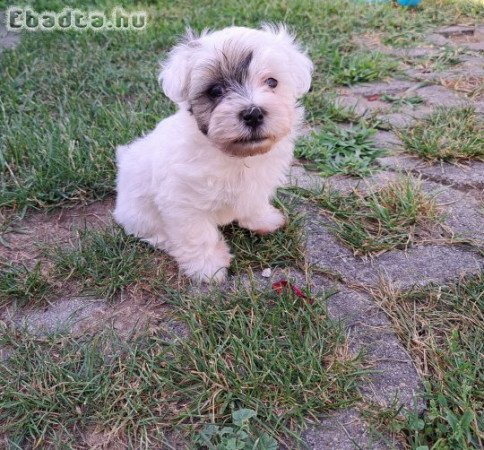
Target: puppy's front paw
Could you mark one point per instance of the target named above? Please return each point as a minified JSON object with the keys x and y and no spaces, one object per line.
{"x":211,"y":267}
{"x":266,"y":222}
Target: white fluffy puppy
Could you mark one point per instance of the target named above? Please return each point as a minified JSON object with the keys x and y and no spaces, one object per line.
{"x":221,"y":157}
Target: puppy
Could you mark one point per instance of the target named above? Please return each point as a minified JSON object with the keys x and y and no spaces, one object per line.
{"x":221,"y":157}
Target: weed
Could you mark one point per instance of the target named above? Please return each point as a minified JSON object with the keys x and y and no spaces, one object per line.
{"x":348,"y":69}
{"x":382,"y":219}
{"x":236,"y":435}
{"x":321,"y":109}
{"x":446,"y":58}
{"x":403,"y":101}
{"x":337,"y":150}
{"x":450,"y":134}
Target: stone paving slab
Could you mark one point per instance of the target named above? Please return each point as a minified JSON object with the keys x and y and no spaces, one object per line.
{"x":346,"y":430}
{"x":372,"y":42}
{"x":437,"y":39}
{"x":312,"y":181}
{"x":387,"y":140}
{"x":469,"y":37}
{"x":440,"y":96}
{"x":433,"y":96}
{"x":398,"y":120}
{"x":394,"y":379}
{"x":367,"y":101}
{"x":463,"y":213}
{"x":471,"y":68}
{"x":305,"y":179}
{"x":392,"y":87}
{"x":417,"y":266}
{"x":468,"y":176}
{"x":455,"y":30}
{"x":85,"y":316}
{"x":458,"y":32}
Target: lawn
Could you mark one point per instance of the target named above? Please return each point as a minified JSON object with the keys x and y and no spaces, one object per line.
{"x":274,"y":354}
{"x":255,"y":364}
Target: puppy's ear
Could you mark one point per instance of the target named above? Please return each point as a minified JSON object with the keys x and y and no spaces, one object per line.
{"x":301,"y":65}
{"x":175,"y":69}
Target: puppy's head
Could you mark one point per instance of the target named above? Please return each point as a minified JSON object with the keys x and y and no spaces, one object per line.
{"x":240,"y":84}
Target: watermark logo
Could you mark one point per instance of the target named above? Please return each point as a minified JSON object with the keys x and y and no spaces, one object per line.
{"x":18,"y":18}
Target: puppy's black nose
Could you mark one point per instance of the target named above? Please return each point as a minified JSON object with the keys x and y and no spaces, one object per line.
{"x":252,"y":116}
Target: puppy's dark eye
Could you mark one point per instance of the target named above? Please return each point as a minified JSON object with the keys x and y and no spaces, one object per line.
{"x":271,"y":82}
{"x":217,"y":90}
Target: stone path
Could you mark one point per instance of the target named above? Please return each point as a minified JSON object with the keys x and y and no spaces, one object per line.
{"x":461,"y":192}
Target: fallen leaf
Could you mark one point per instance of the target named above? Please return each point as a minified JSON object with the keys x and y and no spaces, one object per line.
{"x":279,"y":286}
{"x":373,"y":98}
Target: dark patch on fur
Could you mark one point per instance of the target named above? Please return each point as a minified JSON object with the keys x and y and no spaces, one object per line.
{"x":231,"y":71}
{"x":241,"y":72}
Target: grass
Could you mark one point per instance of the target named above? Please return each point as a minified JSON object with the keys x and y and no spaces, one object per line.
{"x":336,"y":150}
{"x":450,"y":135}
{"x":360,"y":67}
{"x":320,"y":110}
{"x":237,"y":435}
{"x":275,"y":354}
{"x":443,"y":329}
{"x":102,"y":262}
{"x":282,"y":248}
{"x":69,"y":98}
{"x":106,"y":262}
{"x":411,"y":100}
{"x":446,"y":58}
{"x":22,"y":284}
{"x":391,"y":217}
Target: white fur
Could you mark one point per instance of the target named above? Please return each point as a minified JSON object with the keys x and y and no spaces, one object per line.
{"x":176,"y":185}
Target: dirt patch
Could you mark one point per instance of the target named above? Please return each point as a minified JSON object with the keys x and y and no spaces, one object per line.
{"x":456,"y":31}
{"x":27,"y":241}
{"x":23,"y":239}
{"x":371,"y":41}
{"x":101,"y":439}
{"x":470,"y":85}
{"x":98,"y":439}
{"x":466,"y":37}
{"x":84,"y":316}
